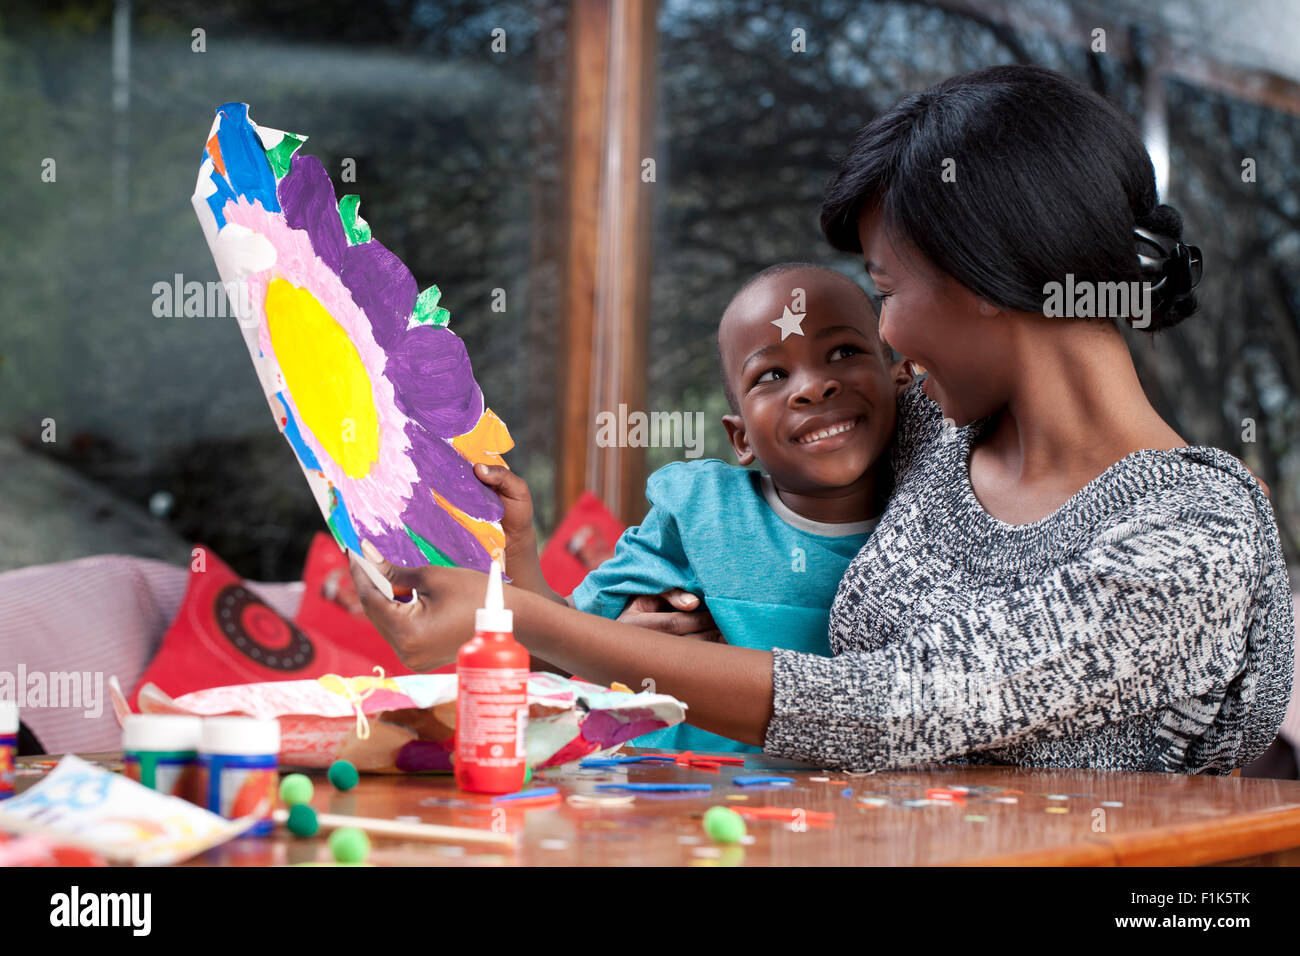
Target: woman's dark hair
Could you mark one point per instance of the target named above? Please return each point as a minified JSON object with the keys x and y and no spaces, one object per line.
{"x":1048,"y":178}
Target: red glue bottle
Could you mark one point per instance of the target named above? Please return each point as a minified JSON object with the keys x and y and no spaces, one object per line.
{"x":491,"y":700}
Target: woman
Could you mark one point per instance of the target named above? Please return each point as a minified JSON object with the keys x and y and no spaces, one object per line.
{"x":1059,"y":579}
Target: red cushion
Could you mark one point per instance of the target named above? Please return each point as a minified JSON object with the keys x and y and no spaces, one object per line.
{"x":585,"y":538}
{"x":330,"y":609}
{"x":224,"y":634}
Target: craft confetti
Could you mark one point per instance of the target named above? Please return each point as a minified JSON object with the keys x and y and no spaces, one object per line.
{"x":762,"y":781}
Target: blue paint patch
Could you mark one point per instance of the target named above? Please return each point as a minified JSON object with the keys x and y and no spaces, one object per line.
{"x":294,"y":435}
{"x":247,"y":167}
{"x":340,"y":522}
{"x":217,"y":201}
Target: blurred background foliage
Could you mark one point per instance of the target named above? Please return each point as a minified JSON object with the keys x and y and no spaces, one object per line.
{"x":459,"y":156}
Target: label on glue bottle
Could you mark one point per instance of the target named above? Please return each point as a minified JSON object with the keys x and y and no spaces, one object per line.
{"x":490,"y":726}
{"x":492,"y":701}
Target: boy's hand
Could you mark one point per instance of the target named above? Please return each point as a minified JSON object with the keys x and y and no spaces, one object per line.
{"x":521,"y":561}
{"x":518,"y":501}
{"x":673,"y":612}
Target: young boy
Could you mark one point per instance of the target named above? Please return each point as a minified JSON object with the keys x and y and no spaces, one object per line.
{"x":813,"y":395}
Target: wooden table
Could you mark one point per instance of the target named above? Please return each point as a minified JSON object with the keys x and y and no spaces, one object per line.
{"x":1004,"y":817}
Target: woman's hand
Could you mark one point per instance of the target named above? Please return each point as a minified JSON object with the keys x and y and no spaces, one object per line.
{"x":673,"y":612}
{"x":427,"y":629}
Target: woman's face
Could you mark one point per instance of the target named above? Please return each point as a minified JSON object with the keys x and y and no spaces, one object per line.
{"x":964,"y":343}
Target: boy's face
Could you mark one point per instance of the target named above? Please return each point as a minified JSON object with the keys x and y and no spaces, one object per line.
{"x":817,"y":402}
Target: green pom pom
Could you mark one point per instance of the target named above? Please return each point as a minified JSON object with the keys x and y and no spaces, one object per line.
{"x":302,"y":820}
{"x":296,"y":788}
{"x":528,"y":775}
{"x":724,"y":825}
{"x":343,"y":775}
{"x":349,"y":845}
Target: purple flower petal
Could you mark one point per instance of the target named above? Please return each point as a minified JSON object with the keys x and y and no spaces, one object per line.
{"x":443,"y":468}
{"x":435,"y":385}
{"x":445,"y":533}
{"x":394,"y":544}
{"x":382,"y":286}
{"x":307,"y":196}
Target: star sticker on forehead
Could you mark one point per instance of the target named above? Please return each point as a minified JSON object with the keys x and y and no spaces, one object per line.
{"x":790,"y":323}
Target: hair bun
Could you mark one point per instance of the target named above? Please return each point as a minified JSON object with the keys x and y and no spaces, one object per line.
{"x":1163,"y":219}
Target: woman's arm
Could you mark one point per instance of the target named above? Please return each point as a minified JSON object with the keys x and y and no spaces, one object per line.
{"x":728,"y":689}
{"x":1151,"y":621}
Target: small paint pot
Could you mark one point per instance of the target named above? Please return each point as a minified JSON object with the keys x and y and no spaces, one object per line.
{"x":238,"y":763}
{"x":8,"y":746}
{"x":161,"y":752}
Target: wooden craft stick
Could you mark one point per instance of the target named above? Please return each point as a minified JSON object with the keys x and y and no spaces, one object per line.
{"x":415,"y":831}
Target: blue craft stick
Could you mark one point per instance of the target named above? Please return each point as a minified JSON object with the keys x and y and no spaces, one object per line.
{"x":758,"y":781}
{"x":609,"y":761}
{"x":525,"y":794}
{"x":654,"y":787}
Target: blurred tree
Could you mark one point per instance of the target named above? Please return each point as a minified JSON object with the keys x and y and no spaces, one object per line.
{"x":750,"y":130}
{"x":455,"y":149}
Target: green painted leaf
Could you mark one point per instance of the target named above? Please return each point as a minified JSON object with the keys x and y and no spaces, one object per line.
{"x":282,"y":155}
{"x":427,"y":311}
{"x":431,"y":553}
{"x":357,"y":229}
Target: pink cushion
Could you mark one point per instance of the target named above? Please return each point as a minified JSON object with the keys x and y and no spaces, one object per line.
{"x":99,"y":616}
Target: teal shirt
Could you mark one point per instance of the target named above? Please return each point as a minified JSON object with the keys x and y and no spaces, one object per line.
{"x":767,"y":575}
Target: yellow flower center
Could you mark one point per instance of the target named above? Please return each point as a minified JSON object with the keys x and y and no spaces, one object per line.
{"x":324,"y":373}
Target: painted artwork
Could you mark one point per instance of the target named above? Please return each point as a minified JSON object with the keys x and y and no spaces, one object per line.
{"x":372,"y":390}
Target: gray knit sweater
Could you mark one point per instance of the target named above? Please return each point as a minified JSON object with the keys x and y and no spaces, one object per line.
{"x":1144,"y":625}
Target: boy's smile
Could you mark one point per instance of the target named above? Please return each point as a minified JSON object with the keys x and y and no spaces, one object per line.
{"x":816,"y":406}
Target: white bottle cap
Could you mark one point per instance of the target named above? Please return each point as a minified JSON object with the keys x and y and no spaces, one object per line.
{"x":240,"y":736}
{"x":143,"y":732}
{"x":8,"y":717}
{"x":493,"y":617}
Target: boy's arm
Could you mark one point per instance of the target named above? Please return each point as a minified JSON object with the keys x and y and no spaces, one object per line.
{"x":674,"y":611}
{"x":649,"y":561}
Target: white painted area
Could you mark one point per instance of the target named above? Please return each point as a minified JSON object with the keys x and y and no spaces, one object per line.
{"x":240,"y":252}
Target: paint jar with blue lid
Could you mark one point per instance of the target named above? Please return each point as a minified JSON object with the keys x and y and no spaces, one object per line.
{"x":238,"y":764}
{"x":8,"y":746}
{"x":161,"y":751}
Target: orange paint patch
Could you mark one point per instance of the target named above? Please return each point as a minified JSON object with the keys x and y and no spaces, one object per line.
{"x":489,"y":535}
{"x":486,"y":442}
{"x":214,"y":150}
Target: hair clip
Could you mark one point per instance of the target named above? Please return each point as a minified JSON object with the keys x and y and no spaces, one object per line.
{"x":1173,"y":268}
